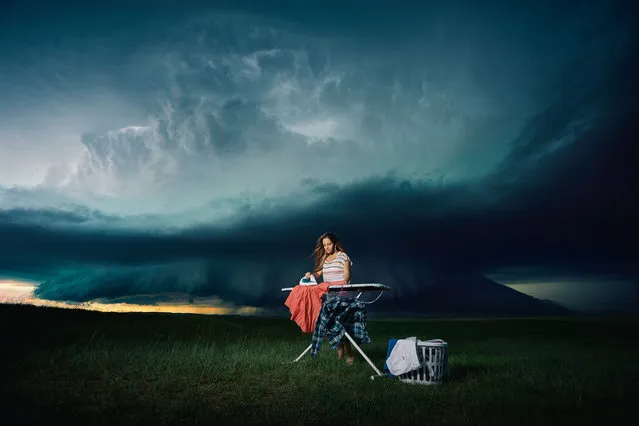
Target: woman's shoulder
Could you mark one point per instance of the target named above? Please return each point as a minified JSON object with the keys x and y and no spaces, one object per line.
{"x":343,"y":255}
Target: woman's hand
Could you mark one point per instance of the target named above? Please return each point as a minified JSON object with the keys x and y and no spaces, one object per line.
{"x":307,"y":275}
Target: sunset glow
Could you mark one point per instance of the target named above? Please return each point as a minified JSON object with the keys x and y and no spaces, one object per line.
{"x":18,"y":292}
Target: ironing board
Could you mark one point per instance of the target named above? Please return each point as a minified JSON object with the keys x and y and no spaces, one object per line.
{"x":348,"y":287}
{"x":358,"y":288}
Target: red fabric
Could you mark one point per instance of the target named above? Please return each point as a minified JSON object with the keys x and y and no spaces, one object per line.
{"x":305,"y":302}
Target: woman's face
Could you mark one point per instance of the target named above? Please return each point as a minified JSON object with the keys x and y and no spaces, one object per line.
{"x":328,"y":245}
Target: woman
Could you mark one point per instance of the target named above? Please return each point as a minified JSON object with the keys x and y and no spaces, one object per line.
{"x":333,"y":264}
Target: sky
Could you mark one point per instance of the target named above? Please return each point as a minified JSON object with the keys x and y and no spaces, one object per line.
{"x":200,"y":148}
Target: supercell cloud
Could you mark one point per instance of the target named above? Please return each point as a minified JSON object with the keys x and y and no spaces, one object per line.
{"x":204,"y":151}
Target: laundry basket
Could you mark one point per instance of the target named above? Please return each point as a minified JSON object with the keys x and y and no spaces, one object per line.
{"x":433,"y":356}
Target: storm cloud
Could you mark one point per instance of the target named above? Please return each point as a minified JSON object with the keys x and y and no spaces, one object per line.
{"x":211,"y":157}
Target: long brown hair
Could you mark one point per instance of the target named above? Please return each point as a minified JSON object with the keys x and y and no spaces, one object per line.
{"x":320,"y":253}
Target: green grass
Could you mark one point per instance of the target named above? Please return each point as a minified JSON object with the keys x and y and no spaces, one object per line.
{"x":62,"y":366}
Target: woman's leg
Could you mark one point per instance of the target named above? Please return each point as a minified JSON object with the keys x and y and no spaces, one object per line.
{"x":340,"y":350}
{"x":350,"y":356}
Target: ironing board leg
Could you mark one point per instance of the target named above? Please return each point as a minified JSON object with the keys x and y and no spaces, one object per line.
{"x":379,"y":373}
{"x":303,"y":353}
{"x":348,"y":336}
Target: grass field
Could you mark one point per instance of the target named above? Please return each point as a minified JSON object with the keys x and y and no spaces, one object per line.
{"x":63,"y":366}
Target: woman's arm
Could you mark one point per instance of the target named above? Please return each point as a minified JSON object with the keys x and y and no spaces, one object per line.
{"x":347,"y":270}
{"x":316,"y":274}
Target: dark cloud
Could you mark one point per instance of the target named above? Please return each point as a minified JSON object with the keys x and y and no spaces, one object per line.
{"x":563,"y":199}
{"x":78,"y":215}
{"x":573,"y":209}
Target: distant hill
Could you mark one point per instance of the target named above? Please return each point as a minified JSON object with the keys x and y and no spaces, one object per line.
{"x":453,"y":294}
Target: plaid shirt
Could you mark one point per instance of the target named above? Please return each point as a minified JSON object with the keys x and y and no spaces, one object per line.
{"x":337,"y":316}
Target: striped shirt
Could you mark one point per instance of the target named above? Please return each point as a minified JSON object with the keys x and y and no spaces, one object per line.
{"x":334,"y":270}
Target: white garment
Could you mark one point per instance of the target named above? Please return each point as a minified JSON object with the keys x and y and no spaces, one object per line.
{"x":403,"y":357}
